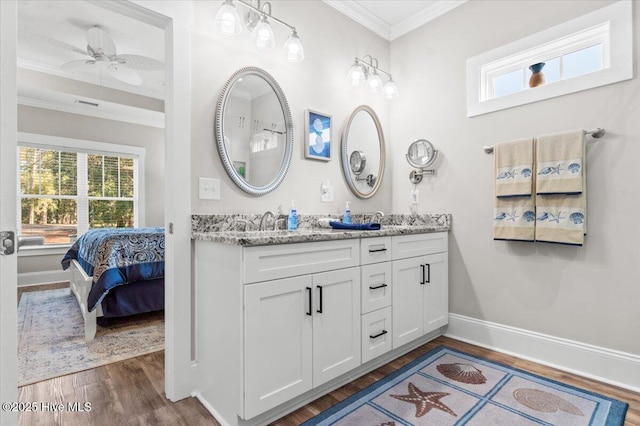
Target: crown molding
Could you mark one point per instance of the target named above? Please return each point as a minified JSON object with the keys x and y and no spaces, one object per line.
{"x":367,"y":19}
{"x":436,"y":9}
{"x":362,"y":16}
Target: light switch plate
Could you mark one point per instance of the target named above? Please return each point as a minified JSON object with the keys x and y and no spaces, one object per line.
{"x":327,"y":194}
{"x":209,"y":188}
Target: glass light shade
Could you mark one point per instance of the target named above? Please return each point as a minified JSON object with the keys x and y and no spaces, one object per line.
{"x":374,"y":83}
{"x":390,"y":90}
{"x":227,"y":20}
{"x":356,"y":75}
{"x":262,"y":35}
{"x":293,"y":48}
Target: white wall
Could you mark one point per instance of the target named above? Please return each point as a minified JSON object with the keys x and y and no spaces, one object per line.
{"x":590,"y":294}
{"x":331,"y":42}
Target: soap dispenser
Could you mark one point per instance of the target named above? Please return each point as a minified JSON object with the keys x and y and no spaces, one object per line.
{"x":347,"y":214}
{"x":292,"y":220}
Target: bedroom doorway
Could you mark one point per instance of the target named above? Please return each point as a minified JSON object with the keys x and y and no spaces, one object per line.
{"x":174,"y":19}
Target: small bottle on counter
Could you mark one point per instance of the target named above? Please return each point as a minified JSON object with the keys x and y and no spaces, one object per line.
{"x":347,"y":214}
{"x":292,"y":219}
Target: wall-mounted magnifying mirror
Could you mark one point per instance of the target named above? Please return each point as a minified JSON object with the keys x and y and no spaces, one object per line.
{"x":254,"y":131}
{"x":421,"y":154}
{"x":363,"y":152}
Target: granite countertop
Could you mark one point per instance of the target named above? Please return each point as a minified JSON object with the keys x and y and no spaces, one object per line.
{"x":225,"y":229}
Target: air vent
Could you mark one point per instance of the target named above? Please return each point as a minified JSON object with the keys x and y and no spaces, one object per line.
{"x":93,"y":104}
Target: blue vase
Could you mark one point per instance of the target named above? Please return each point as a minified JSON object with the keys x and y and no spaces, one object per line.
{"x":537,"y":77}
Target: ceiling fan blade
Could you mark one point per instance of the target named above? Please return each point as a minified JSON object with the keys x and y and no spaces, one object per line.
{"x":138,"y":62}
{"x":125,"y":74}
{"x":39,"y":38}
{"x":74,"y":65}
{"x":99,"y":41}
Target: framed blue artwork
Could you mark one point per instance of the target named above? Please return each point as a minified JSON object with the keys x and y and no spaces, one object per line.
{"x":317,"y":137}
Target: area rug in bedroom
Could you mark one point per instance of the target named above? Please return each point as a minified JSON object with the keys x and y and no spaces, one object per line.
{"x":449,"y":387}
{"x":51,"y":337}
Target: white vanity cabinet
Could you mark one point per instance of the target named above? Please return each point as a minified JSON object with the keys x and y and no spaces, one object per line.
{"x":420,"y":285}
{"x":279,"y":325}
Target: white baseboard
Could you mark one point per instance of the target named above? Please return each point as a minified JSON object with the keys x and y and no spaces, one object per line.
{"x":43,"y":277}
{"x":606,"y":365}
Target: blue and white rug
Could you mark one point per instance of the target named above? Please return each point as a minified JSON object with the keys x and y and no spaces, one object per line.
{"x":449,"y":387}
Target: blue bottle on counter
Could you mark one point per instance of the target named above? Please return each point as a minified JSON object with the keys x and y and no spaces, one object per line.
{"x":347,"y":214}
{"x":292,"y":219}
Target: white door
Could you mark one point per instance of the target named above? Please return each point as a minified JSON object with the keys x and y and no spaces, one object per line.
{"x":8,"y":263}
{"x":336,"y":324}
{"x":436,"y":292}
{"x":408,"y":300}
{"x":278,"y":356}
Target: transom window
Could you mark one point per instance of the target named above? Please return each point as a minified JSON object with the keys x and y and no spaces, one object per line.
{"x":64,"y":191}
{"x":589,"y":51}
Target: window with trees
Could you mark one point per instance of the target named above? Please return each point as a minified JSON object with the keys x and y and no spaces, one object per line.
{"x":64,"y":191}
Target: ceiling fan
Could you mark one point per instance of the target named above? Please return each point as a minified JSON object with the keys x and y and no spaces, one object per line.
{"x":101,"y":51}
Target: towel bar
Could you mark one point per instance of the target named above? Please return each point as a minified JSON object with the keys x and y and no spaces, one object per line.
{"x":596,"y":133}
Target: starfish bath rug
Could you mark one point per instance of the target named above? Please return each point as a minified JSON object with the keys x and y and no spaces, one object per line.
{"x":449,"y":387}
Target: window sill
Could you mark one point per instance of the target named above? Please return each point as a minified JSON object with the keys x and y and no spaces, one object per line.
{"x":48,"y":250}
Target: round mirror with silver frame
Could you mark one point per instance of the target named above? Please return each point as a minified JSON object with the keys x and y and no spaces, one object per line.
{"x":421,"y":154}
{"x":363,"y":152}
{"x":254,"y":131}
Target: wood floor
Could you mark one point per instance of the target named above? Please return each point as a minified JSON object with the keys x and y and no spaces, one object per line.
{"x":131,"y":392}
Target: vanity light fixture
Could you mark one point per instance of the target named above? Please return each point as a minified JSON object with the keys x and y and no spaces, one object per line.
{"x":365,"y":71}
{"x":258,"y":20}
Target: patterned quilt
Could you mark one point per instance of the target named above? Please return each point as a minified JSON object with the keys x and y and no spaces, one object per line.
{"x":118,"y":256}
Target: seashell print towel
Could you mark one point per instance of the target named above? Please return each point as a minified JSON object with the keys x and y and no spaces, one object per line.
{"x":514,"y":219}
{"x":560,"y":163}
{"x":562,"y":218}
{"x":513,"y":168}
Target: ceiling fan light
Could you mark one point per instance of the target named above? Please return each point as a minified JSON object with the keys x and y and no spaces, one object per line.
{"x":262,"y":35}
{"x":293,"y":48}
{"x":374,"y":83}
{"x":390,"y":89}
{"x":357,"y":75}
{"x":227,"y":20}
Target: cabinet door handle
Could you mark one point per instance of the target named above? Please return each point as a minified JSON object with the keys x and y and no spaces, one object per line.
{"x":377,"y":250}
{"x":377,"y":287}
{"x":319,"y":310}
{"x":422,"y":274}
{"x":309,"y":293}
{"x":382,"y":333}
{"x":428,"y":280}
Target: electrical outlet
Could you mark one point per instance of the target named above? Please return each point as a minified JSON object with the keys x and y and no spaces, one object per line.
{"x":209,"y":189}
{"x":414,"y":197}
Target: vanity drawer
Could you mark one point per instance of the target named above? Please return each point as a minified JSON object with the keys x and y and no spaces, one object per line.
{"x":376,"y":286}
{"x":405,"y":246}
{"x":376,"y":249}
{"x":376,"y":333}
{"x":264,"y":263}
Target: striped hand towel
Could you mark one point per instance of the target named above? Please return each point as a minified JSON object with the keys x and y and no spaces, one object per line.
{"x":513,"y":168}
{"x":560,"y":163}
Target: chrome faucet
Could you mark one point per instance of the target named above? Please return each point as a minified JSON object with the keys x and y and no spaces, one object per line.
{"x":375,"y":215}
{"x":264,"y":222}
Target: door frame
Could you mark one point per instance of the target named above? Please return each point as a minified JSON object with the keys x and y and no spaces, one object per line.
{"x":175,"y":18}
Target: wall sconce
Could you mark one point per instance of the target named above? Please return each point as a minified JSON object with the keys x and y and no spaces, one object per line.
{"x":258,"y":21}
{"x":365,"y":72}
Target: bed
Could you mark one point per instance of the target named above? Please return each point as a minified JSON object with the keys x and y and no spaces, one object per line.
{"x":116,"y":272}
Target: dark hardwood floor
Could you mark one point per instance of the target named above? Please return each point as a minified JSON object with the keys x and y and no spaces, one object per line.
{"x":131,"y":392}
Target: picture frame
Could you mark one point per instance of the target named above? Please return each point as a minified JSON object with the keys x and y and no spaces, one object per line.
{"x":317,"y":135}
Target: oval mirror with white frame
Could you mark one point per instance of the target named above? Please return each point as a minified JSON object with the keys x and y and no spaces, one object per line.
{"x":363,"y":152}
{"x":254,"y":131}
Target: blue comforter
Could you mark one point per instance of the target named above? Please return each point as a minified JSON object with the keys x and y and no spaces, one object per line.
{"x":118,"y":256}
